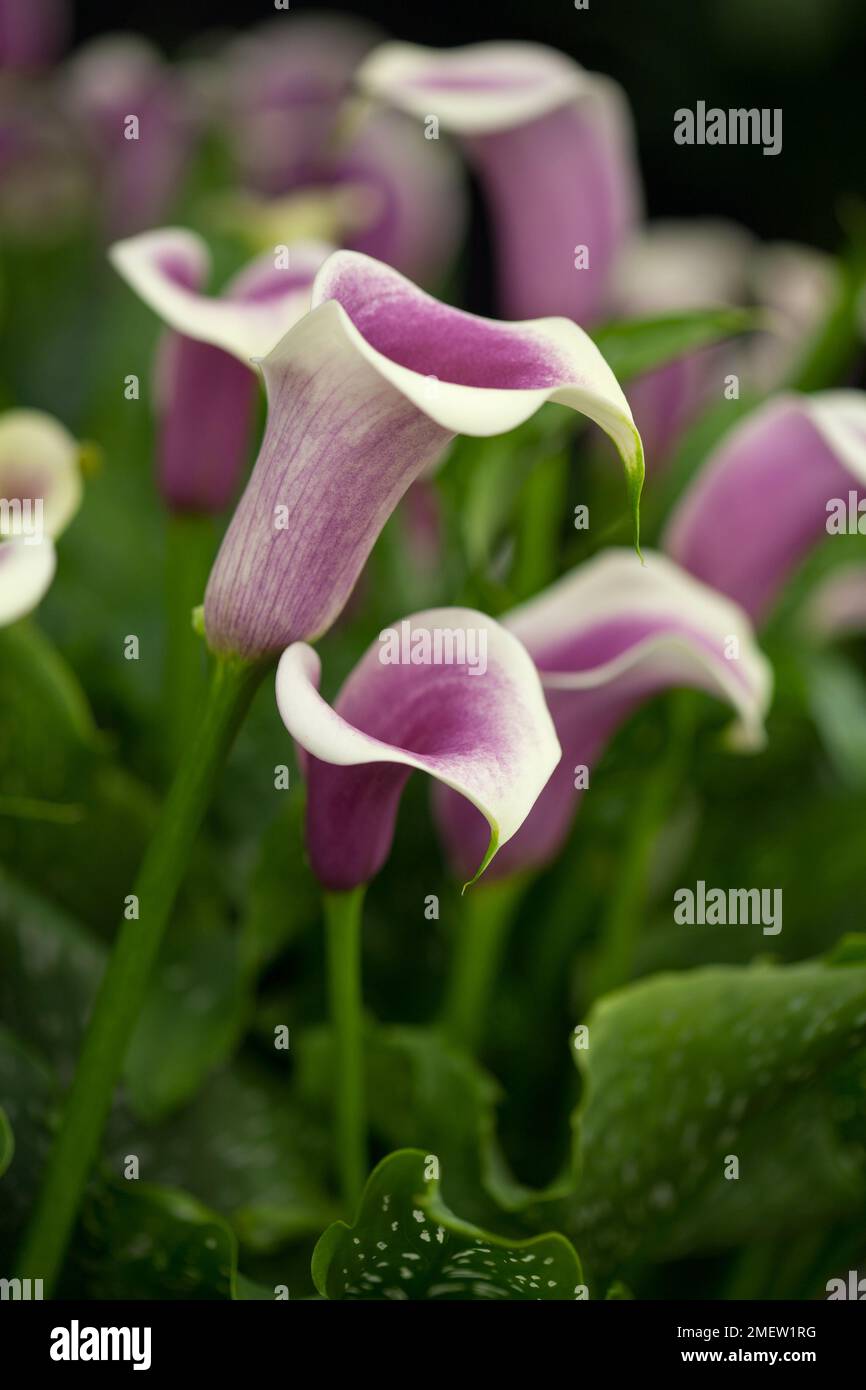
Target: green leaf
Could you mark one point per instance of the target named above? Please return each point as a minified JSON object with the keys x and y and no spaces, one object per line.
{"x":49,"y":969}
{"x":7,"y":1142}
{"x":245,"y":1148}
{"x":137,"y":1241}
{"x":283,"y":898}
{"x":28,"y":1097}
{"x":64,"y":803}
{"x":837,"y":699}
{"x":635,"y":346}
{"x":191,"y":1020}
{"x":406,"y":1244}
{"x":684,"y":1071}
{"x":835,"y":345}
{"x":422,"y":1092}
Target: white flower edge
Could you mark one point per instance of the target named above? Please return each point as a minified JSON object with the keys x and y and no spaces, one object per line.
{"x":608,"y":588}
{"x":245,"y":327}
{"x":31,"y":440}
{"x":529,"y":81}
{"x":504,"y":802}
{"x":26,"y":572}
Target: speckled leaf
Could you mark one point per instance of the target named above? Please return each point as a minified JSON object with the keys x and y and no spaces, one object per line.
{"x":406,"y":1244}
{"x":684,"y":1072}
{"x":425,"y":1092}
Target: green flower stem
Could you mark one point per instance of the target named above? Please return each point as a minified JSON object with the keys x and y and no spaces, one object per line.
{"x":126,"y":978}
{"x":490,"y":909}
{"x":343,"y":938}
{"x":614,"y":961}
{"x":190,"y":546}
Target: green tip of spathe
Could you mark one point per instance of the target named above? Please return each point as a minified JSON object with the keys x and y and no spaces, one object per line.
{"x":91,"y":458}
{"x":492,"y":847}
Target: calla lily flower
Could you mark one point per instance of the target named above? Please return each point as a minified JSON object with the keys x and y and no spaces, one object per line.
{"x":836,"y":607}
{"x":671,"y":267}
{"x":764,"y":498}
{"x":135,"y":118}
{"x":552,"y":147}
{"x":477,"y":723}
{"x":364,"y":394}
{"x":206,"y":388}
{"x":605,"y":639}
{"x":32,"y":33}
{"x":282,"y":89}
{"x":40,"y":492}
{"x":331,"y":167}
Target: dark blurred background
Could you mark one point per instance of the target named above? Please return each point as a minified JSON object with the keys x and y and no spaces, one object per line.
{"x":806,"y":56}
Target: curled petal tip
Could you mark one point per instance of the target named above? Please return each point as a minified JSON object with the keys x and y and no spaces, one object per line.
{"x":448,"y":692}
{"x":168,"y":269}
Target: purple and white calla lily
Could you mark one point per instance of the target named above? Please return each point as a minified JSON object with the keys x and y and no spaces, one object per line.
{"x":135,"y":117}
{"x":206,"y":387}
{"x":552,"y":146}
{"x":605,"y":638}
{"x":364,"y":395}
{"x":316,"y":162}
{"x":674,"y":267}
{"x":769,"y":493}
{"x":40,"y":492}
{"x":448,"y":692}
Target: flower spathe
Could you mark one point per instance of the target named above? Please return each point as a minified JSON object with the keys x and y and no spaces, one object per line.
{"x":763,"y":498}
{"x":137,"y":169}
{"x":552,"y":147}
{"x":605,"y":638}
{"x":206,"y":387}
{"x":40,"y":492}
{"x":475,"y":720}
{"x":676,"y":266}
{"x":362,"y":177}
{"x":364,"y":394}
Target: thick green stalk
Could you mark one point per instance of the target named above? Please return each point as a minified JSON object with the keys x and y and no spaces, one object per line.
{"x":190,"y":546}
{"x":126,"y":978}
{"x":343,"y":937}
{"x":478,"y":949}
